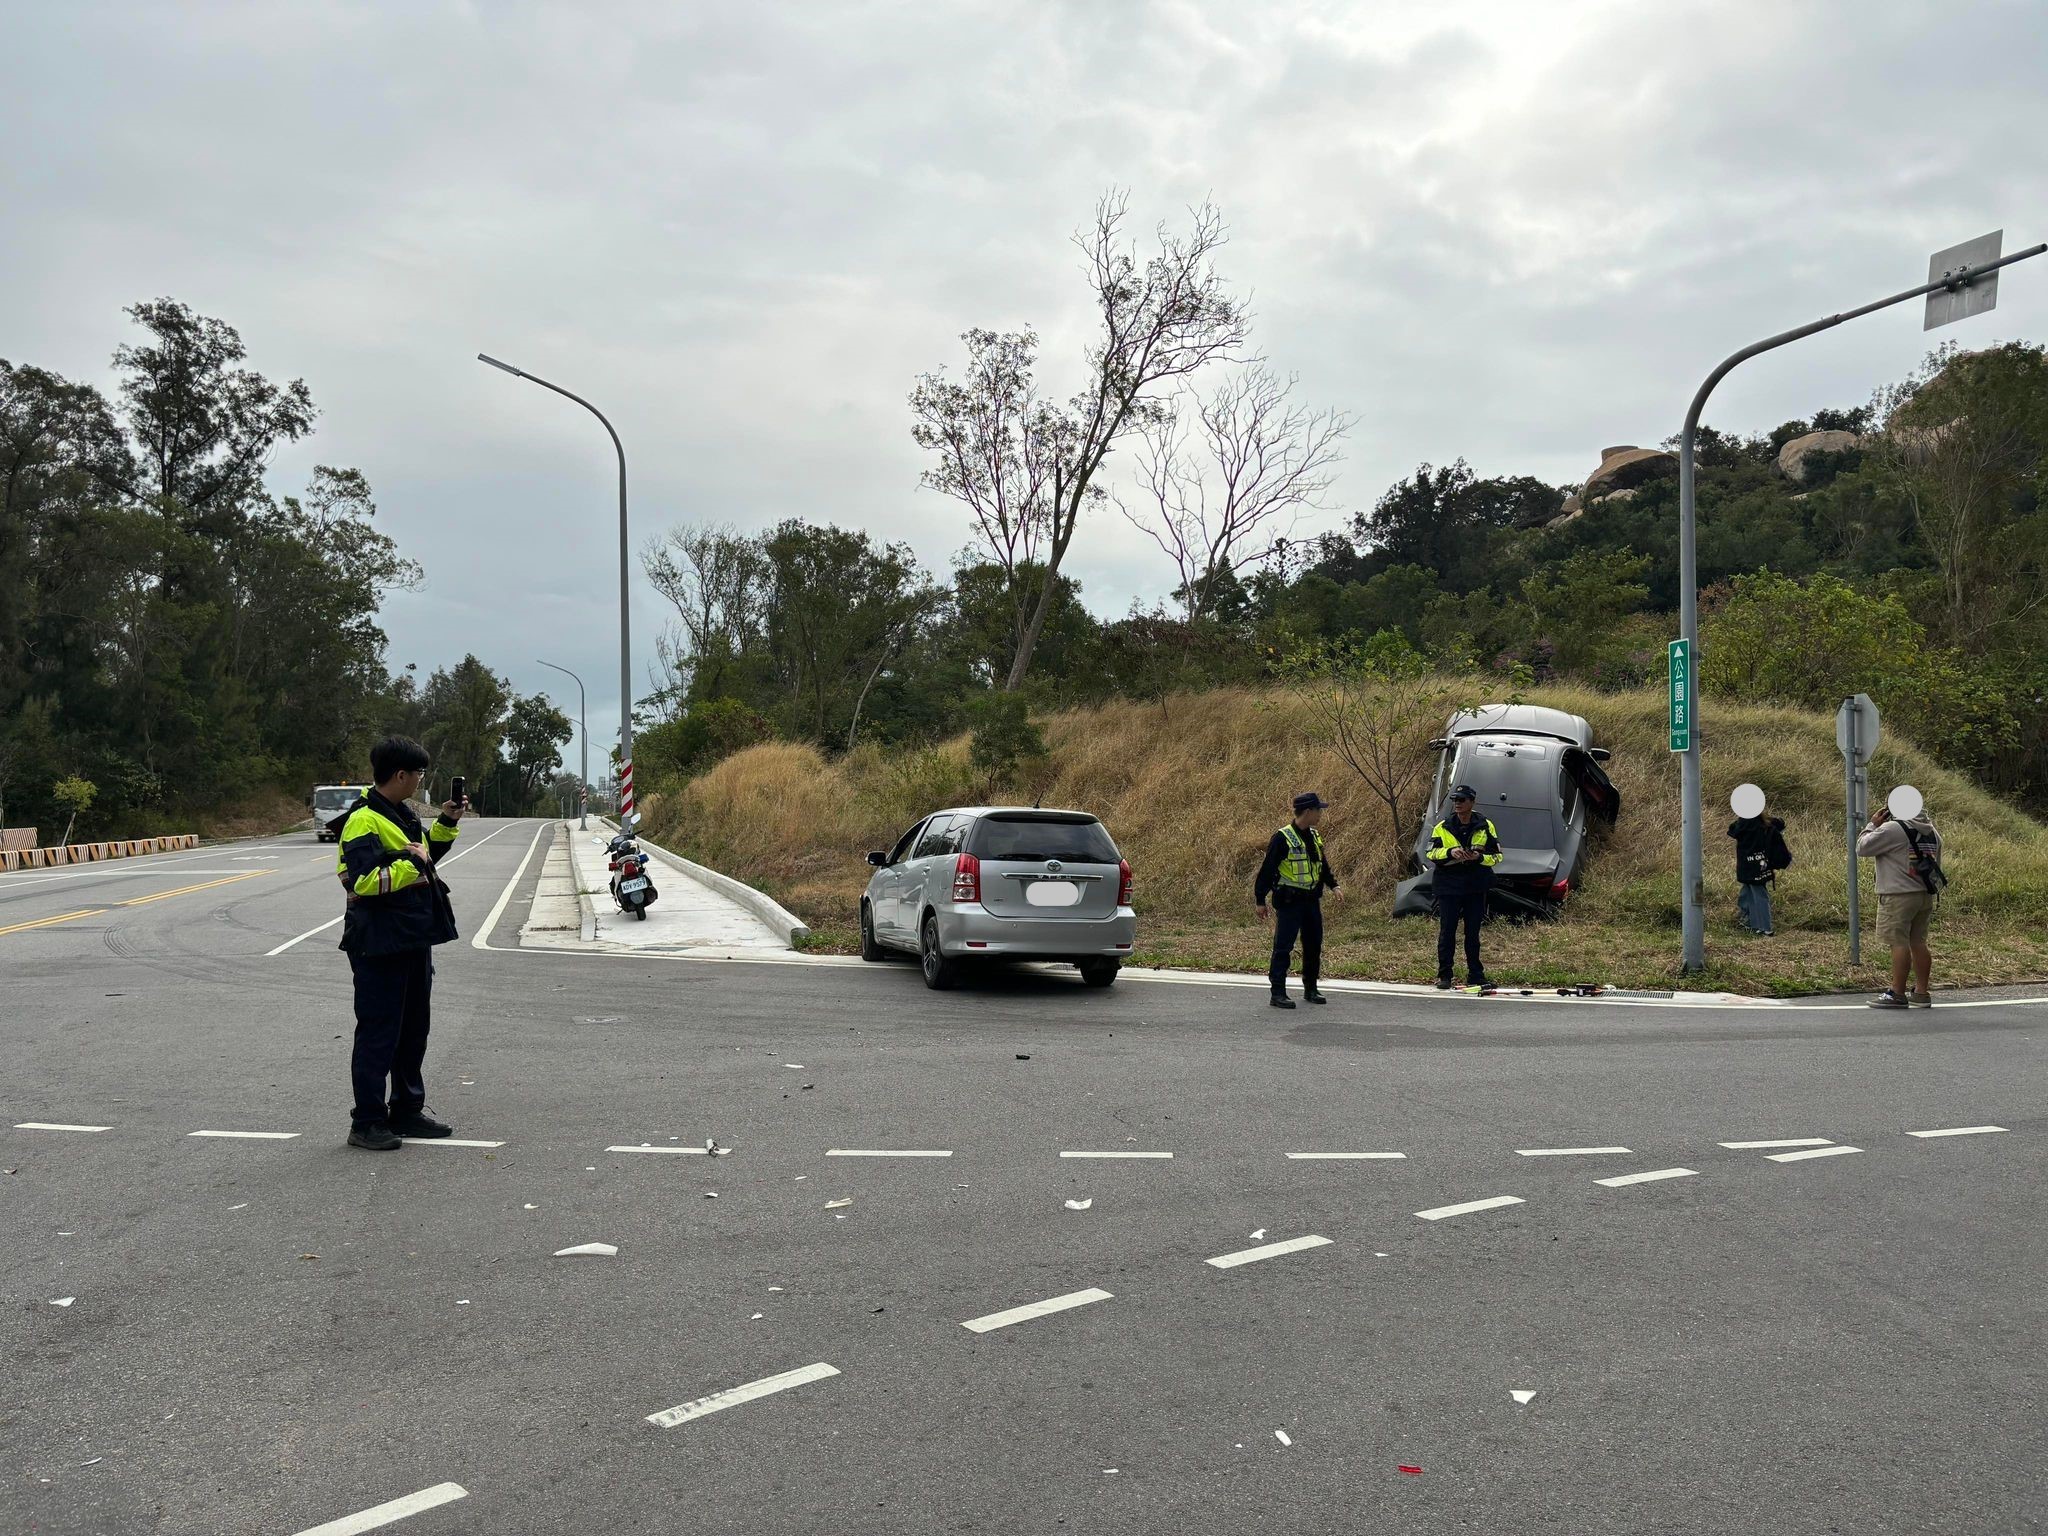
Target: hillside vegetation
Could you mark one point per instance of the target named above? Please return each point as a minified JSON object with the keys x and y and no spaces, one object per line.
{"x":1192,"y":787}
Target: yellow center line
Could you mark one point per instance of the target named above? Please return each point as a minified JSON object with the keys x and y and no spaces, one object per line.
{"x":44,"y":922}
{"x":186,"y":890}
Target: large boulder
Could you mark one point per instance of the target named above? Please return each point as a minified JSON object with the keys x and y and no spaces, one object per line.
{"x":1625,"y":468}
{"x":1792,"y":457}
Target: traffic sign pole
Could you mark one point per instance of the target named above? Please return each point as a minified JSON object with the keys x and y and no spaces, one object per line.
{"x":1952,"y":281}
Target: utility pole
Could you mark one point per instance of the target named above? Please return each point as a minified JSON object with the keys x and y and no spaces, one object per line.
{"x":625,"y":589}
{"x":1968,"y":264}
{"x":583,"y":730}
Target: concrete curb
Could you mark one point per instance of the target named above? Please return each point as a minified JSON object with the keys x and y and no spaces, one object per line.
{"x":765,"y":907}
{"x":586,"y":905}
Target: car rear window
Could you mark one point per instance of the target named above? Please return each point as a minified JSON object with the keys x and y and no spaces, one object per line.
{"x":1030,"y":837}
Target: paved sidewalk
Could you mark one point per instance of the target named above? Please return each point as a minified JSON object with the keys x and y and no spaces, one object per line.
{"x":688,"y":917}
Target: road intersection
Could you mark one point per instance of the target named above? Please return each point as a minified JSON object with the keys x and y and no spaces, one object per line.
{"x":1020,"y":1257}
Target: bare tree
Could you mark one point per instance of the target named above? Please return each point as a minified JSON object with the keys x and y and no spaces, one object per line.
{"x":1027,"y":469}
{"x":719,"y":581}
{"x":1226,"y":504}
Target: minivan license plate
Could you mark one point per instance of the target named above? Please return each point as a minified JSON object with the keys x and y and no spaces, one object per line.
{"x":1052,"y":893}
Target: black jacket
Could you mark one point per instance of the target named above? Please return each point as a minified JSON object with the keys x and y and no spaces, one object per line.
{"x":1268,"y":883}
{"x":393,"y":907}
{"x":1753,"y":838}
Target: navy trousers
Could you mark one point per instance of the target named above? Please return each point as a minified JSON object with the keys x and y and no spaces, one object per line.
{"x":1301,"y":920}
{"x":1451,"y":908}
{"x":394,"y":996}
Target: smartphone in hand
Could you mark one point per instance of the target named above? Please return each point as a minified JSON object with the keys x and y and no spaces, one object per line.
{"x":455,"y":791}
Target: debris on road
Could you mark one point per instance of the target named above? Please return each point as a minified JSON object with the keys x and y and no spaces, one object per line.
{"x":1026,"y":1056}
{"x":794,"y":1066}
{"x":757,"y":1317}
{"x":463,"y":1303}
{"x":711,"y":1145}
{"x":242,"y":1207}
{"x":1414,"y":1471}
{"x":1080,"y":1205}
{"x":532,"y":1207}
{"x":309,"y":1256}
{"x":710,"y":1194}
{"x":774,"y":1287}
{"x":1520,"y":1396}
{"x":1258,"y":1234}
{"x":1281,"y":1436}
{"x":833,"y":1205}
{"x":62,"y":1301}
{"x":599,"y":1250}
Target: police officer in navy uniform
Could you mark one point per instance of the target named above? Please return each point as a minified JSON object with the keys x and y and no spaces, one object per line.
{"x":1463,"y":849}
{"x":1295,"y":874}
{"x":397,"y":912}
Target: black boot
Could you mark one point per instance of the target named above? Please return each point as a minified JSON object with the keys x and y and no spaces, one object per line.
{"x":1281,"y":1000}
{"x":420,"y":1126}
{"x":1309,"y":994}
{"x":373,"y":1138}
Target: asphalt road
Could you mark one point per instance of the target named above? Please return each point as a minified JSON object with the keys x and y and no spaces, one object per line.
{"x":266,"y":1335}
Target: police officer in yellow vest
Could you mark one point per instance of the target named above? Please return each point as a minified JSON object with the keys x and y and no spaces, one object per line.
{"x":397,"y":912}
{"x":1295,"y":874}
{"x":1462,"y":852}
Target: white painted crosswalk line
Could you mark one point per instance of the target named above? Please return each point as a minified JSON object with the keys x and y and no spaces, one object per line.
{"x":1647,"y":1178}
{"x":1025,"y":1314}
{"x":395,"y":1510}
{"x":1962,"y":1130}
{"x":1439,"y":1212}
{"x":732,"y":1397}
{"x":1795,"y":1157}
{"x":1269,"y":1251}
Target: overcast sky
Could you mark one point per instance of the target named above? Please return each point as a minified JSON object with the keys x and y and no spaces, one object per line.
{"x":1514,"y":231}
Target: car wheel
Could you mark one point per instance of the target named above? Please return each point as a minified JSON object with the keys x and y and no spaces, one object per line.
{"x":938,"y":970}
{"x":1100,"y":973}
{"x":869,"y":949}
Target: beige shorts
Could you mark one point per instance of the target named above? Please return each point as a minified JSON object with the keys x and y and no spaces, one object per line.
{"x":1902,"y":920}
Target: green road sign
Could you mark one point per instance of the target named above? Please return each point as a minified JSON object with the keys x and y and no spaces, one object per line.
{"x":1680,"y":655}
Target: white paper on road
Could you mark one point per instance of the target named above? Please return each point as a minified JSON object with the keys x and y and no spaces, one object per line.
{"x":732,"y":1397}
{"x":62,"y":1301}
{"x":1520,"y":1396}
{"x":1045,"y":1308}
{"x":386,"y":1514}
{"x":1080,"y":1205}
{"x":596,"y":1250}
{"x":1281,"y":1436}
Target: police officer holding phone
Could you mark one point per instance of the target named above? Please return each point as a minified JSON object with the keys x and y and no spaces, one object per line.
{"x":397,"y":911}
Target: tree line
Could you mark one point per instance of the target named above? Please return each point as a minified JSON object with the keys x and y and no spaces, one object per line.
{"x":174,"y":633}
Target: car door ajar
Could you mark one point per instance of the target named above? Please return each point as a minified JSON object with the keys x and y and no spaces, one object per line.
{"x":885,"y":889}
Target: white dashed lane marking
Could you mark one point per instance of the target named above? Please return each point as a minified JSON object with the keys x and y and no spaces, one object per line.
{"x":1116,"y":1154}
{"x":1647,"y":1178}
{"x":732,"y":1397}
{"x":1796,"y":1141}
{"x":1341,"y":1157}
{"x":667,"y":1151}
{"x":1439,"y":1212}
{"x":1269,"y":1251}
{"x":1567,"y":1151}
{"x":1961,"y":1130}
{"x":52,"y":1125}
{"x":248,"y":1135}
{"x":855,"y":1152}
{"x":386,"y":1514}
{"x":448,"y":1141}
{"x":1045,"y":1308}
{"x":1794,"y":1157}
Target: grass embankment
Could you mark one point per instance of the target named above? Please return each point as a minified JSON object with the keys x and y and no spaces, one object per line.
{"x":1192,"y":788}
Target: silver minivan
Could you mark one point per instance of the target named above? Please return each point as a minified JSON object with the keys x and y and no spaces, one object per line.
{"x":1001,"y":883}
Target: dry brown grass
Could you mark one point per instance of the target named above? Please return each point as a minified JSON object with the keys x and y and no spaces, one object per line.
{"x":1194,"y":786}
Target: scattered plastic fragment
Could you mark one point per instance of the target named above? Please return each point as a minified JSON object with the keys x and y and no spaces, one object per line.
{"x":833,"y":1205}
{"x":1520,"y":1396}
{"x":1281,"y":1436}
{"x":1026,"y":1056}
{"x":757,"y":1317}
{"x":774,"y":1287}
{"x":601,"y":1250}
{"x":794,"y":1066}
{"x":711,"y":1145}
{"x":1258,"y":1234}
{"x":1109,"y":1471}
{"x":532,"y":1207}
{"x":1379,"y":1255}
{"x":1080,"y":1205}
{"x":242,"y":1207}
{"x":710,"y":1194}
{"x":463,"y":1303}
{"x":62,"y":1301}
{"x":94,"y":1462}
{"x":1414,"y":1471}
{"x":309,"y":1255}
{"x":801,"y":1177}
{"x":809,"y":1086}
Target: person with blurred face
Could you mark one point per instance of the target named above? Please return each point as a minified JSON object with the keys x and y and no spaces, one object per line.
{"x":1908,"y":855}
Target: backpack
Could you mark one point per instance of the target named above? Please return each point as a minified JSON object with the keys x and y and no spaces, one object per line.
{"x":1779,"y":854}
{"x":1926,"y":867}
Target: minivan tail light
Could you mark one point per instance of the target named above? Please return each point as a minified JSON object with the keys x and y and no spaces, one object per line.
{"x":966,"y":877}
{"x":1123,"y":882}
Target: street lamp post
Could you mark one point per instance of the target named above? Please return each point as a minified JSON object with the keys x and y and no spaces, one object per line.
{"x":583,"y":729}
{"x":1693,"y":857}
{"x":626,"y":812}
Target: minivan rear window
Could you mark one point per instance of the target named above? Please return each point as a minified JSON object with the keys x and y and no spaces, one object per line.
{"x":1030,"y":838}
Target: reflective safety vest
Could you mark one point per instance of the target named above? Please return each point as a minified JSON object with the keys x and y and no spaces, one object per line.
{"x":392,"y":874}
{"x":394,"y":906}
{"x":1302,"y":869}
{"x":1480,"y":836}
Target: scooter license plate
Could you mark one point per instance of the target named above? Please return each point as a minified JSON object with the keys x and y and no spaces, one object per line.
{"x":632,"y":885}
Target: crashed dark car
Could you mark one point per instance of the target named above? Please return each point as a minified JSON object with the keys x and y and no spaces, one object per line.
{"x":1539,"y":780}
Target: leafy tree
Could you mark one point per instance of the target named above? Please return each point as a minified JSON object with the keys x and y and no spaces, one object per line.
{"x":1006,"y":743}
{"x":74,"y":797}
{"x":535,"y":733}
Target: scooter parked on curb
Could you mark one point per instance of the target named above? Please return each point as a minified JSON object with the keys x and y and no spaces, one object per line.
{"x":632,"y":880}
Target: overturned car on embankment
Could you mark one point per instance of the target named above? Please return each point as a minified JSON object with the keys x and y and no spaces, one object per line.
{"x":1539,"y":780}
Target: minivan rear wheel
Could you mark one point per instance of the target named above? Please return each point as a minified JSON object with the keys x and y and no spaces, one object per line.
{"x":869,"y":948}
{"x":938,"y":970}
{"x":1100,"y":973}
